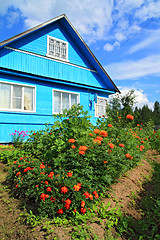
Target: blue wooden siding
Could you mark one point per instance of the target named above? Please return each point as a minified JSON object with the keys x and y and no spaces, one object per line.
{"x":11,"y":121}
{"x":48,"y":68}
{"x":37,"y":43}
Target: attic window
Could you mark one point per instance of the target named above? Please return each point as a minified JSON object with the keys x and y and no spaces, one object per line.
{"x":57,"y":48}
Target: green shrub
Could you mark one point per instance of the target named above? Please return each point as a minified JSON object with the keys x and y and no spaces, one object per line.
{"x":66,"y":167}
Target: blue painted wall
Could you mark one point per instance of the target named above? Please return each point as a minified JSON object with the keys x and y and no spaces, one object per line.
{"x":11,"y":121}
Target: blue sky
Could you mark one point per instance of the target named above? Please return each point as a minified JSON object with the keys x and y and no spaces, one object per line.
{"x":123,"y":34}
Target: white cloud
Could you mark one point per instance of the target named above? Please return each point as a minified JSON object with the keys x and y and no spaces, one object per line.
{"x":135,"y":69}
{"x":90,"y":17}
{"x":119,"y":36}
{"x":149,"y":10}
{"x":141,"y":98}
{"x":93,"y":19}
{"x":108,"y":47}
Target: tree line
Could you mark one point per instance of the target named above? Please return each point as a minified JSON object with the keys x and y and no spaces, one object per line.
{"x":121,"y":105}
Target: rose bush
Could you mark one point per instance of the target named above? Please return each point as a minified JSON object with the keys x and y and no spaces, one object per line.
{"x":67,"y":166}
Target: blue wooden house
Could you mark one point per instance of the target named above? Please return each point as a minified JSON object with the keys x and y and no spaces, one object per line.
{"x":44,"y":70}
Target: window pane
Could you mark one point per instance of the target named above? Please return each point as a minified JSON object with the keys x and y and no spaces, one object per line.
{"x":73,"y":99}
{"x":17,"y":97}
{"x":5,"y":96}
{"x":65,"y":101}
{"x":51,"y":46}
{"x":57,"y":102}
{"x":57,"y":49}
{"x":101,"y":110}
{"x":28,"y":98}
{"x":63,"y":50}
{"x":17,"y":103}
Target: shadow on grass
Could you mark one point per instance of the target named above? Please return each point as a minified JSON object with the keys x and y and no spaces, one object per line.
{"x":148,"y":227}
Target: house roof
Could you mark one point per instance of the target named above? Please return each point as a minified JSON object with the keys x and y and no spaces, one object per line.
{"x":75,"y":35}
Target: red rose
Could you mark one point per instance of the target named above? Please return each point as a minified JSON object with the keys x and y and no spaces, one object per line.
{"x":60,"y":211}
{"x":81,"y":152}
{"x":111,"y":145}
{"x":82,"y":204}
{"x":86,"y":194}
{"x":73,"y":146}
{"x":83,"y":210}
{"x":72,"y":140}
{"x":68,"y":201}
{"x":43,"y":196}
{"x":129,"y":117}
{"x":83,"y":148}
{"x":103,"y":133}
{"x":64,"y":189}
{"x":95,"y":192}
{"x":51,"y":174}
{"x":77,"y":187}
{"x":99,"y":138}
{"x":96,"y":196}
{"x":69,"y":174}
{"x":121,"y":145}
{"x":42,"y":166}
{"x":96,"y":131}
{"x":67,"y":206}
{"x":49,"y":189}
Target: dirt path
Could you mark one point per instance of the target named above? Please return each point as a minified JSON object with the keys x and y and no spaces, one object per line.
{"x":122,"y":193}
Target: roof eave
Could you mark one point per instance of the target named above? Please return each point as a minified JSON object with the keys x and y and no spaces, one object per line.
{"x":20,"y":35}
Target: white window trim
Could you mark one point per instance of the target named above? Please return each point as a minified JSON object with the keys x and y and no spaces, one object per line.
{"x":51,"y":56}
{"x":96,"y":106}
{"x":63,"y":91}
{"x":20,"y":110}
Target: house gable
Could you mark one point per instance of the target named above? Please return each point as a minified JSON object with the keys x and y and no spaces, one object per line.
{"x":31,"y":49}
{"x":36,"y":42}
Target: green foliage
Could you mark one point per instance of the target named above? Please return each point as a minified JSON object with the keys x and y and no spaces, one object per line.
{"x":8,"y":157}
{"x":63,"y":169}
{"x":154,"y":140}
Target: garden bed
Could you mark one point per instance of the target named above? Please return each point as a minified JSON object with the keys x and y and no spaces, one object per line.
{"x":128,"y":193}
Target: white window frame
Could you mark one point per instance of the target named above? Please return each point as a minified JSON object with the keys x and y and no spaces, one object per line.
{"x":96,"y":105}
{"x":11,"y":98}
{"x":53,"y":56}
{"x":62,"y":91}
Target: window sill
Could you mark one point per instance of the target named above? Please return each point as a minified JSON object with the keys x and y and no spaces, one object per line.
{"x":56,"y":58}
{"x":17,"y":111}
